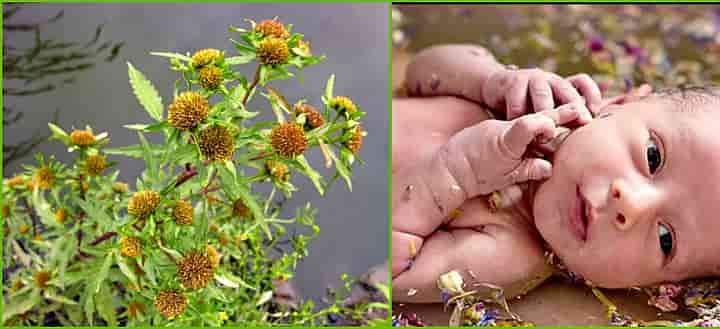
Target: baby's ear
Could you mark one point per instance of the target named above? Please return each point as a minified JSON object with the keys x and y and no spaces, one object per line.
{"x":633,"y":95}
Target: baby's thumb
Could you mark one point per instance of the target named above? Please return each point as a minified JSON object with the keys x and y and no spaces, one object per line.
{"x":531,"y":169}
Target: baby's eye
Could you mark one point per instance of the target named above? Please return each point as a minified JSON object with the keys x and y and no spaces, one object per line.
{"x":666,"y":239}
{"x":654,"y":158}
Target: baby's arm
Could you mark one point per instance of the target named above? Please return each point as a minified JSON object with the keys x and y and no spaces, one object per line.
{"x":451,"y":70}
{"x":472,"y":73}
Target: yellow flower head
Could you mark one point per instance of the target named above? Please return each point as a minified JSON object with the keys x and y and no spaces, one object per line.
{"x":273,"y":51}
{"x":170,"y":303}
{"x":342,"y":104}
{"x":15,"y":182}
{"x":240,"y":209}
{"x":183,"y":213}
{"x":217,"y":144}
{"x":210,"y":77}
{"x":288,"y":140}
{"x":44,"y":178}
{"x":213,"y":255}
{"x":195,"y":270}
{"x":278,"y":170}
{"x":24,"y":228}
{"x":135,"y":308}
{"x":41,"y":279}
{"x":120,"y":187}
{"x":143,"y":203}
{"x":130,"y":246}
{"x":356,"y":140}
{"x":272,"y":28}
{"x":95,"y":165}
{"x":204,"y":57}
{"x":82,"y":138}
{"x":61,"y":215}
{"x":188,"y":110}
{"x":313,"y":118}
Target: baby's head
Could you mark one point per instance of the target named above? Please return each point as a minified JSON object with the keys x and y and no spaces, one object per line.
{"x":635,"y":195}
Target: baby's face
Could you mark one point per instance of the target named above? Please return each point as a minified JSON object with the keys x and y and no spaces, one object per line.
{"x":635,"y":195}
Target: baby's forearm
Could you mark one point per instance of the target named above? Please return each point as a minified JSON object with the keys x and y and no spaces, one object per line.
{"x":451,"y":70}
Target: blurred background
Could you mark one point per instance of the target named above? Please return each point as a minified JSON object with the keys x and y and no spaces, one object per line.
{"x":620,"y":46}
{"x":67,"y":63}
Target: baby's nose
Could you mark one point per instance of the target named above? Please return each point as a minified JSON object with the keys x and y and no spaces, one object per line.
{"x":633,"y":203}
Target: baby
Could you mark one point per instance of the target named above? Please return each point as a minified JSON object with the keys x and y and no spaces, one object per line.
{"x":621,"y":202}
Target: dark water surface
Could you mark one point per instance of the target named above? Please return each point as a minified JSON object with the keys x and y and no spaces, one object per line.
{"x":354,"y":225}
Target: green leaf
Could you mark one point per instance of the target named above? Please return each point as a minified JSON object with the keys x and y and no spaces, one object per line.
{"x":150,"y":160}
{"x":58,"y":133}
{"x":102,"y":274}
{"x":135,"y":151}
{"x":146,"y":93}
{"x":231,"y":281}
{"x":171,"y":55}
{"x":59,"y":299}
{"x":311,"y":173}
{"x":264,"y":298}
{"x":148,"y":128}
{"x":342,"y":170}
{"x":255,"y":208}
{"x":243,"y":59}
{"x":20,"y":305}
{"x":106,"y":306}
{"x":329,"y":87}
{"x":125,"y":269}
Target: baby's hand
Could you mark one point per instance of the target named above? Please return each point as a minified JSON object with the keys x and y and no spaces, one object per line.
{"x":519,"y":92}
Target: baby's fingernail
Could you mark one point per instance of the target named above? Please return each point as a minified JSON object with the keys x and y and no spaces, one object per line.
{"x":568,"y":109}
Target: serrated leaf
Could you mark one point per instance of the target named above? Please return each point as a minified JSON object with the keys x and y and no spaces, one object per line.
{"x":150,"y":160}
{"x":311,"y":173}
{"x":59,"y":299}
{"x":231,"y":281}
{"x":134,"y":151}
{"x":342,"y":170}
{"x":329,"y":87}
{"x":146,"y":93}
{"x":254,"y":207}
{"x":106,"y":306}
{"x":102,"y":273}
{"x":126,"y":270}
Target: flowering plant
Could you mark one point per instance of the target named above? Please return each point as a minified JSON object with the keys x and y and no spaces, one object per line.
{"x":197,"y":241}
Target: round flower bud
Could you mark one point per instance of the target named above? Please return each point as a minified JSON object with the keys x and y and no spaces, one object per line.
{"x":273,"y":51}
{"x":342,"y":104}
{"x":41,"y":279}
{"x":278,"y":170}
{"x":205,"y":57}
{"x":130,"y":246}
{"x":24,"y":229}
{"x":313,"y":118}
{"x":170,"y":303}
{"x":95,"y":165}
{"x":188,"y":110}
{"x":288,"y":140}
{"x":210,"y":77}
{"x":61,"y":215}
{"x":15,"y":182}
{"x":82,"y":138}
{"x":120,"y":187}
{"x":195,"y":270}
{"x":240,"y":209}
{"x":213,"y":255}
{"x":355,"y":141}
{"x":272,"y":28}
{"x":183,"y":213}
{"x":143,"y":203}
{"x":44,"y":178}
{"x":135,"y":308}
{"x":217,"y":144}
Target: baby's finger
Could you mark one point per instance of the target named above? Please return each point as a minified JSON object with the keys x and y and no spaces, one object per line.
{"x":525,"y":130}
{"x":530,"y":169}
{"x":567,"y":113}
{"x":541,"y":93}
{"x":516,"y":97}
{"x":563,"y":90}
{"x":589,"y":89}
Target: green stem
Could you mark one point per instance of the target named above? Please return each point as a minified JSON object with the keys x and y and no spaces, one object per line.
{"x":254,"y":83}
